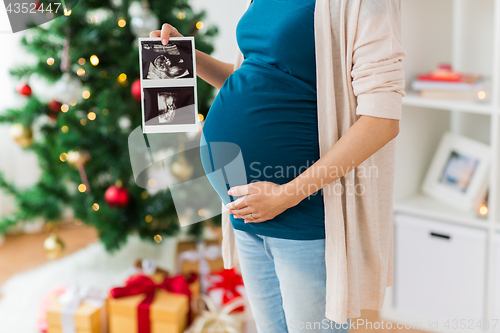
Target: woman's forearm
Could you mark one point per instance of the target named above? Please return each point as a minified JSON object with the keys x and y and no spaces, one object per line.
{"x":211,"y":70}
{"x":365,"y":137}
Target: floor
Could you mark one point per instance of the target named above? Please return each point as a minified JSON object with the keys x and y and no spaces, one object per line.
{"x":23,"y":252}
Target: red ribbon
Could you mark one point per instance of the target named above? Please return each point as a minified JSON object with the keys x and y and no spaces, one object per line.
{"x":230,"y":279}
{"x":141,"y":284}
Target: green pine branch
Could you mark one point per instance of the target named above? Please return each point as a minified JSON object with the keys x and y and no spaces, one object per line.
{"x":101,"y":135}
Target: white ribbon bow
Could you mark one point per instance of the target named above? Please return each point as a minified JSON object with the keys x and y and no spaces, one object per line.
{"x":217,"y":319}
{"x":72,"y":299}
{"x":201,"y":254}
{"x":148,"y":267}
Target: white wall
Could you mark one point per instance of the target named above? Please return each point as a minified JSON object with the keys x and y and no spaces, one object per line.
{"x":16,"y":164}
{"x":225,"y":14}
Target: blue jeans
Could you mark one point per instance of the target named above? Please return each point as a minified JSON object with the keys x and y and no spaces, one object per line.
{"x":285,"y":280}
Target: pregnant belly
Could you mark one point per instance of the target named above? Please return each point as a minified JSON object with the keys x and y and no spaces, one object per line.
{"x":272,"y":119}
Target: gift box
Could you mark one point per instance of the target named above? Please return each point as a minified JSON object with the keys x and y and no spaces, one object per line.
{"x":152,"y":304}
{"x":200,"y":257}
{"x":45,"y":304}
{"x":80,"y":310}
{"x":150,"y":268}
{"x":147,"y":267}
{"x":224,"y":286}
{"x":189,"y":255}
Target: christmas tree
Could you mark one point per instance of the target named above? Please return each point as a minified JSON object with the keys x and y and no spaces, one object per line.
{"x":90,"y":55}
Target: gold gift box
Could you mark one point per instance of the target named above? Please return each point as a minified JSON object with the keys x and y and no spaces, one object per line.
{"x":87,"y":318}
{"x":168,"y":312}
{"x":193,"y":266}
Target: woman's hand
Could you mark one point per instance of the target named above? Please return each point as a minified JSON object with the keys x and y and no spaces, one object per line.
{"x":165,"y":33}
{"x":263,"y":200}
{"x":212,"y":71}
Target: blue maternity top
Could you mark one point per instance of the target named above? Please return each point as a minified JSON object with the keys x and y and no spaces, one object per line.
{"x":268,"y":109}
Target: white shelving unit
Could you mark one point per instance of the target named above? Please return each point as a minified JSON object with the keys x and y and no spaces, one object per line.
{"x":465,"y":33}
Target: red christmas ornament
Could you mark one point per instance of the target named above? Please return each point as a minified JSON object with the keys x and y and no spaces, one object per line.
{"x":136,"y":90}
{"x":24,"y":89}
{"x":116,"y":196}
{"x":37,"y":5}
{"x":55,"y":106}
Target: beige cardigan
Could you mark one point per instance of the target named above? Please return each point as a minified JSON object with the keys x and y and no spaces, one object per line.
{"x":359,"y":72}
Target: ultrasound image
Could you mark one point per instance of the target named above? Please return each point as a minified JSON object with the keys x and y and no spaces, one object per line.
{"x":171,"y":61}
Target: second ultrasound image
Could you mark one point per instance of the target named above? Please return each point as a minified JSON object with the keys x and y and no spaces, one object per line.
{"x":170,"y":106}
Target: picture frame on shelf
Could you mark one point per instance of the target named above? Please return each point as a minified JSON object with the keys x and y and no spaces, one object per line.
{"x":458,"y":174}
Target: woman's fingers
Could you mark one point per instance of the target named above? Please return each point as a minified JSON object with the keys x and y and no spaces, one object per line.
{"x":236,"y":191}
{"x":241,"y":212}
{"x":168,"y":31}
{"x":249,"y":220}
{"x":237,"y":204}
{"x":155,"y":33}
{"x":165,"y":33}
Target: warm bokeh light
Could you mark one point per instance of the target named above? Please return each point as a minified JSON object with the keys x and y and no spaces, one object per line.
{"x":50,"y":61}
{"x":82,"y":188}
{"x":201,"y":212}
{"x":94,"y":60}
{"x":63,"y":157}
{"x":121,"y":22}
{"x":86,"y":94}
{"x":83,"y":121}
{"x":64,"y":108}
{"x":152,"y":182}
{"x":64,"y":129}
{"x":95,"y":207}
{"x":144,"y":195}
{"x":181,"y":16}
{"x":200,"y":117}
{"x":483,"y":210}
{"x":199,"y":25}
{"x":67,"y":12}
{"x":80,"y":72}
{"x":158,"y":239}
{"x":148,"y":218}
{"x":91,"y":115}
{"x":105,"y":112}
{"x":481,"y":95}
{"x":81,"y":61}
{"x":122,"y":77}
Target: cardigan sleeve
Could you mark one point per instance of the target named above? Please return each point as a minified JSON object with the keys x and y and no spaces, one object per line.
{"x":377,"y":71}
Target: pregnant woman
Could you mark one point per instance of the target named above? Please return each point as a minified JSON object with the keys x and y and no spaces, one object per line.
{"x":314,"y":96}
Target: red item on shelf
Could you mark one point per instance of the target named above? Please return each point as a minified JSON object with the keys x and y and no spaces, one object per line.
{"x":445,"y":73}
{"x":433,"y":77}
